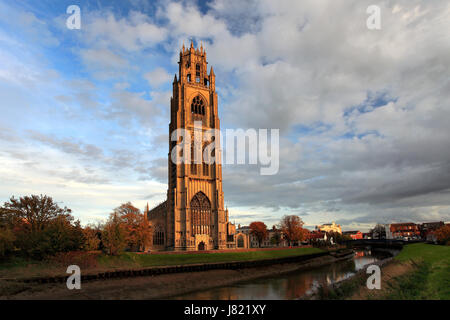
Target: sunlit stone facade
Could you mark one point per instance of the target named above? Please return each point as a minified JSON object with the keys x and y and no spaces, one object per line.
{"x":193,"y":217}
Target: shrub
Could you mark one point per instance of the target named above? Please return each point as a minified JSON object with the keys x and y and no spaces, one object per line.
{"x":7,"y":239}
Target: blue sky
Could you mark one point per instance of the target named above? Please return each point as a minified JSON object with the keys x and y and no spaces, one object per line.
{"x":362,"y":114}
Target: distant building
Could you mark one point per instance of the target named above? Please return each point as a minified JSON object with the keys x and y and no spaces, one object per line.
{"x":242,"y":237}
{"x":353,"y":234}
{"x":329,"y":227}
{"x":315,"y":236}
{"x":242,"y":240}
{"x":403,"y":230}
{"x":273,"y":233}
{"x":429,"y":228}
{"x":266,"y":243}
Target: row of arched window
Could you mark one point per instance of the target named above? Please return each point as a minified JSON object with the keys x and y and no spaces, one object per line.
{"x":203,"y":168}
{"x":197,"y":75}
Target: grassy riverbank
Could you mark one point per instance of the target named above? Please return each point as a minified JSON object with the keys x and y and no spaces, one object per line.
{"x":420,"y":271}
{"x":21,"y":268}
{"x":157,"y":286}
{"x":430,"y":278}
{"x":150,"y":260}
{"x":164,"y":286}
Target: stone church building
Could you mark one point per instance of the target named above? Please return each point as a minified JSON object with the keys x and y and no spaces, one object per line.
{"x":193,"y":217}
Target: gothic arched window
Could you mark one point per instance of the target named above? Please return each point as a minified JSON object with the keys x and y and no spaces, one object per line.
{"x":198,"y":106}
{"x":158,"y":236}
{"x":201,"y":214}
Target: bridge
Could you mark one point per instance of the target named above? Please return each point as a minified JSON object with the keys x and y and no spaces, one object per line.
{"x":379,"y":243}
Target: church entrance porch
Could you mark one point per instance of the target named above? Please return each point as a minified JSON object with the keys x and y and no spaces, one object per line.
{"x":202,"y":242}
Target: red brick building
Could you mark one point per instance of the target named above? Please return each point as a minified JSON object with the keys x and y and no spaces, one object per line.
{"x":404,"y":230}
{"x":317,"y":236}
{"x":429,"y":228}
{"x":353,"y":234}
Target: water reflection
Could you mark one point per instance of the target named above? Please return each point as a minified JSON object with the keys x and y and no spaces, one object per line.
{"x":291,"y":285}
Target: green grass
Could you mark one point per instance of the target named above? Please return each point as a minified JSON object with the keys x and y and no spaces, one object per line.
{"x":17,"y":267}
{"x":23,"y":267}
{"x":149,"y":260}
{"x":431,"y":278}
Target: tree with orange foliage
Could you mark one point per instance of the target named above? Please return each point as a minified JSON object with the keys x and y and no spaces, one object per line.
{"x":443,"y":234}
{"x":91,"y":238}
{"x":304,"y":234}
{"x":292,"y":228}
{"x":138,"y":231}
{"x":40,"y":227}
{"x":113,"y":235}
{"x":37,"y":211}
{"x":259,"y":230}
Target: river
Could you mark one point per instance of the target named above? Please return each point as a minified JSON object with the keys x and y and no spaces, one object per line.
{"x":290,"y":285}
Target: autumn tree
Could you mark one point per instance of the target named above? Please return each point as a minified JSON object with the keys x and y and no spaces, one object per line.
{"x":292,"y":228}
{"x":37,"y":211}
{"x":64,"y":234}
{"x":304,"y":236}
{"x":137,"y":229}
{"x":40,"y":227}
{"x":91,"y":238}
{"x":259,"y":230}
{"x":114,"y":235}
{"x":443,"y":234}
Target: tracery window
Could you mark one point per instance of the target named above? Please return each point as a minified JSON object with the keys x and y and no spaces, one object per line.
{"x":201,"y":214}
{"x":158,"y":236}
{"x":198,"y":106}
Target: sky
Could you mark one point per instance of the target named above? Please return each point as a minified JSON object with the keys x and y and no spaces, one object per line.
{"x":363,"y":114}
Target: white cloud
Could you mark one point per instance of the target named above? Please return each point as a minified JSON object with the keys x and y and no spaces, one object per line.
{"x":131,"y":33}
{"x":363,"y":114}
{"x":157,"y":77}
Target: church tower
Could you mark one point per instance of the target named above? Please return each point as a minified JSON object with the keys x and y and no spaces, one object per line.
{"x":196,"y":219}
